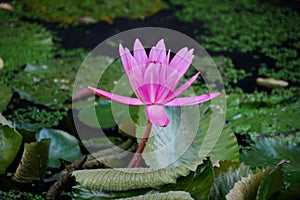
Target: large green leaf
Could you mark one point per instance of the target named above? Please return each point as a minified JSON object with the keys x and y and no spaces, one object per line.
{"x":34,"y":161}
{"x":10,"y":142}
{"x":5,"y":94}
{"x":123,"y":179}
{"x":172,"y":195}
{"x":269,"y":152}
{"x":184,"y":141}
{"x":197,"y":183}
{"x":63,"y":146}
{"x":82,"y":193}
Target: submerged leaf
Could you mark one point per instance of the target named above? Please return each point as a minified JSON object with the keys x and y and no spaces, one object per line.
{"x":10,"y":142}
{"x":63,"y":146}
{"x":34,"y":161}
{"x":123,"y":179}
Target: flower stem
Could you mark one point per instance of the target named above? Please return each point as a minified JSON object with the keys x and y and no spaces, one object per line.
{"x":137,"y":158}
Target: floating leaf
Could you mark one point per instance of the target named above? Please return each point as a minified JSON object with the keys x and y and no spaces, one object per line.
{"x":172,"y":195}
{"x":269,"y":152}
{"x":54,"y":78}
{"x":271,"y":83}
{"x":103,"y":117}
{"x":5,"y":94}
{"x":123,"y":179}
{"x":34,"y":161}
{"x":197,"y":183}
{"x":10,"y":142}
{"x":63,"y":146}
{"x":183,"y":141}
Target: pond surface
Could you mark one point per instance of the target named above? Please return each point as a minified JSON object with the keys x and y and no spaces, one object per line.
{"x":37,"y":90}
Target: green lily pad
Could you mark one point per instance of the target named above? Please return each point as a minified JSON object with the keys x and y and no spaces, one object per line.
{"x":34,"y":162}
{"x":103,"y":117}
{"x":63,"y":146}
{"x":111,"y":72}
{"x":10,"y":142}
{"x":49,"y":83}
{"x":5,"y":93}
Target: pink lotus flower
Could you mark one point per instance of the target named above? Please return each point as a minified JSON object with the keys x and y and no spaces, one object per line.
{"x":154,"y":80}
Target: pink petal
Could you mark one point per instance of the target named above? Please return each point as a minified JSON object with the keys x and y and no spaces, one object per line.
{"x":187,"y":101}
{"x":182,"y":60}
{"x":183,"y":87}
{"x":117,"y":98}
{"x":139,"y":53}
{"x":151,"y":78}
{"x":127,"y":59}
{"x":158,"y":53}
{"x":157,"y":115}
